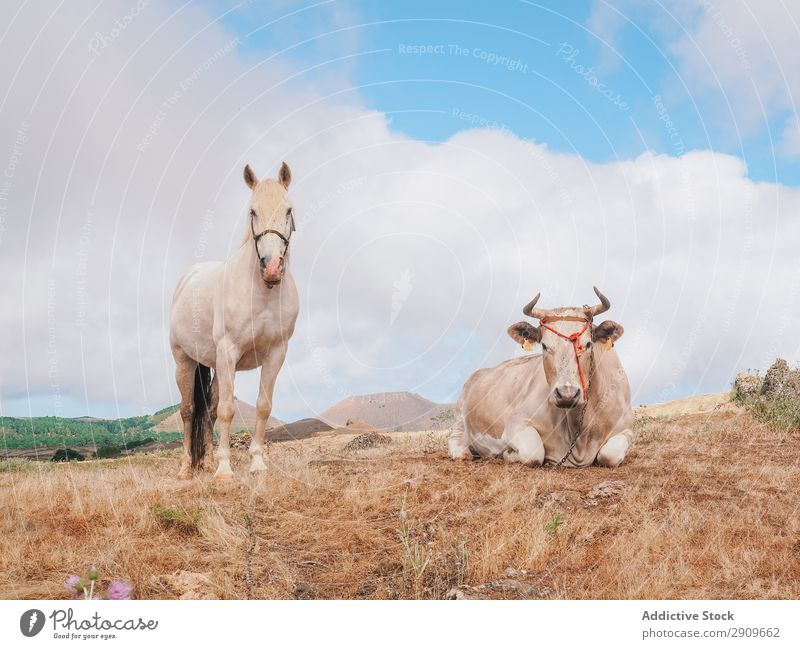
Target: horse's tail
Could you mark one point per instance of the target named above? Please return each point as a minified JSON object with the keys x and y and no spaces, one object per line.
{"x":202,"y":423}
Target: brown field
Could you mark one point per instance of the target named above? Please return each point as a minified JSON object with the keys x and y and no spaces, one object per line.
{"x":705,"y":506}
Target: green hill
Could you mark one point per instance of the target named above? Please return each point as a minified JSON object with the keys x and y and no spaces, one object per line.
{"x":22,"y":433}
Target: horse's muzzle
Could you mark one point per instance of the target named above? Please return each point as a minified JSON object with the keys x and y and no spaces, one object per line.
{"x":272,"y":271}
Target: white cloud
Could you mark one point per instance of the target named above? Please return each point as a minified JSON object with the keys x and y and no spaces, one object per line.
{"x":696,"y":258}
{"x":743,"y":53}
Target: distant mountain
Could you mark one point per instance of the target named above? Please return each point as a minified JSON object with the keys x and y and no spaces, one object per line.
{"x":300,"y":429}
{"x":392,"y":411}
{"x":244,"y":419}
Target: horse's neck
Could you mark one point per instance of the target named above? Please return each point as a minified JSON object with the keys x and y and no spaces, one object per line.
{"x":243,"y":265}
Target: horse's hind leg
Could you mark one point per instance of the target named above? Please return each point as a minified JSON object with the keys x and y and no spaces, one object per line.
{"x":207,"y":461}
{"x":185,"y":369}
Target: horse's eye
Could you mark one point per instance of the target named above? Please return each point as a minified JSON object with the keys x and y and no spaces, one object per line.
{"x":289,"y":212}
{"x":588,"y":344}
{"x":544,"y":347}
{"x":253,"y":213}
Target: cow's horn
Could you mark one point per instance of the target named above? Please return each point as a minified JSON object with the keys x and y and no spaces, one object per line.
{"x":605,"y":304}
{"x":529,"y":311}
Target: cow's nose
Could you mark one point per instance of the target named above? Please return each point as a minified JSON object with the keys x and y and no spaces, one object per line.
{"x":567,"y":393}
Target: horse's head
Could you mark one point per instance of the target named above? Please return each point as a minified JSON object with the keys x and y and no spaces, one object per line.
{"x":271,"y":222}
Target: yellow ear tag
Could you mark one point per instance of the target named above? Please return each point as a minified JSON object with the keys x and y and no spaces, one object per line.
{"x":528,"y":345}
{"x":608,"y":345}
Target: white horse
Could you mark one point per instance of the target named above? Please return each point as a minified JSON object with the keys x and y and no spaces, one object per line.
{"x":235,"y":315}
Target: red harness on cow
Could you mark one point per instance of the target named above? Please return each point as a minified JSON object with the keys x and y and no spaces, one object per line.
{"x":575,"y":339}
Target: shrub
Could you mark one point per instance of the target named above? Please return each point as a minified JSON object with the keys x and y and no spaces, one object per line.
{"x":107,"y":451}
{"x":14,"y":465}
{"x":67,"y":455}
{"x":773,"y":400}
{"x":184,"y":519}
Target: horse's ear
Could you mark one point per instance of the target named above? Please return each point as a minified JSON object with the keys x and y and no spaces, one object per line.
{"x":250,"y":176}
{"x":285,"y":175}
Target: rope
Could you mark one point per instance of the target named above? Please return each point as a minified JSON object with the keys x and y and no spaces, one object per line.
{"x":575,"y":339}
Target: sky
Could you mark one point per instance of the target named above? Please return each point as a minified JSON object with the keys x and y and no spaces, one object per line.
{"x":450,"y":160}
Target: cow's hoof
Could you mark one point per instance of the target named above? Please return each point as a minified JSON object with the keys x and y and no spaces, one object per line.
{"x":464,"y":456}
{"x":459,"y":451}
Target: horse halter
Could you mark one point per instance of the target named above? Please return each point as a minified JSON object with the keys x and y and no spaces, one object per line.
{"x":280,"y":235}
{"x":575,"y":339}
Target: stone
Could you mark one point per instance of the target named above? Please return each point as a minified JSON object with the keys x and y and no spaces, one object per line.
{"x":747,"y":386}
{"x":607,"y":489}
{"x":190,"y":585}
{"x":780,"y":382}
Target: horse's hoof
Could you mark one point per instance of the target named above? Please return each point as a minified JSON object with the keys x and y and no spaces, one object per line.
{"x":258,"y":466}
{"x":223,"y":476}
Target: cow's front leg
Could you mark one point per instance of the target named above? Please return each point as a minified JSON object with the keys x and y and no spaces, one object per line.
{"x":615,"y":449}
{"x":269,"y":373}
{"x":226,"y":370}
{"x":525,"y":446}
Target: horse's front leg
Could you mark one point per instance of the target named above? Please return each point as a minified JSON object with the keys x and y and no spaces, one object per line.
{"x":227,"y":355}
{"x":269,"y":373}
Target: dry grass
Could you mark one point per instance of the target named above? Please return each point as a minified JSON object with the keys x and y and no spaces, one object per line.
{"x":705,"y":506}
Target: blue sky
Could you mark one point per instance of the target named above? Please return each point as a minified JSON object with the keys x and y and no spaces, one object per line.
{"x":534,"y":68}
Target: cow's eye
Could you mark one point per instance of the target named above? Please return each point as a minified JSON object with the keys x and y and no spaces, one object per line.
{"x":544,"y":347}
{"x":253,"y":213}
{"x":588,"y":344}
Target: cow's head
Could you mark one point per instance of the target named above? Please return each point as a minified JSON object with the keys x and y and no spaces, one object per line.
{"x":561,"y":332}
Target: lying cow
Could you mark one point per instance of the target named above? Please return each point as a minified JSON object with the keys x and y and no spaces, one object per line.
{"x":570,"y":405}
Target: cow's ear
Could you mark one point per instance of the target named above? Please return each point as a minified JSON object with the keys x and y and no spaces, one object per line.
{"x":607,"y":332}
{"x":525,"y":334}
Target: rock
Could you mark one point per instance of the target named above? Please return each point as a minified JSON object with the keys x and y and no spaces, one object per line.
{"x":366,"y":590}
{"x":780,"y":382}
{"x":190,"y":585}
{"x":367,"y":440}
{"x":560,"y":498}
{"x":240,"y":440}
{"x":606,"y":489}
{"x":304,"y":591}
{"x":455,"y":593}
{"x":747,"y":386}
{"x":518,"y":588}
